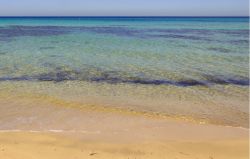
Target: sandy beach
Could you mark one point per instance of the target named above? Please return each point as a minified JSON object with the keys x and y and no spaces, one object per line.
{"x":25,"y":145}
{"x":124,"y":87}
{"x":37,"y":128}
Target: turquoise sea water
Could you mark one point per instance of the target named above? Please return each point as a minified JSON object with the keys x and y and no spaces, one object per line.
{"x":179,"y":67}
{"x":153,"y":51}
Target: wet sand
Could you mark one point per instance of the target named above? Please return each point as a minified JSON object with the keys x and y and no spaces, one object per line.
{"x":34,"y":126}
{"x":220,"y":105}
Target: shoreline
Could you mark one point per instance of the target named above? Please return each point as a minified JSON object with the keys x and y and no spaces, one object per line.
{"x":36,"y":124}
{"x":171,"y":103}
{"x":65,"y":145}
{"x":108,"y":135}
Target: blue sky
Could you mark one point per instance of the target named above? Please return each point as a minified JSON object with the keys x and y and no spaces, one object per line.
{"x":124,"y":7}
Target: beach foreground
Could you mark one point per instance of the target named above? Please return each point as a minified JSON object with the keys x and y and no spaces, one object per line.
{"x":38,"y":128}
{"x":29,"y":145}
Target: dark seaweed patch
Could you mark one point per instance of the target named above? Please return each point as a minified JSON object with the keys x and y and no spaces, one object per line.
{"x":114,"y":77}
{"x":57,"y":76}
{"x":186,"y":83}
{"x":243,"y":81}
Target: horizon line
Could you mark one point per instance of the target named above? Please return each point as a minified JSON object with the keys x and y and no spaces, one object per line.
{"x":122,"y":16}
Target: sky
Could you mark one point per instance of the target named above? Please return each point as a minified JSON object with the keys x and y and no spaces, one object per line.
{"x":124,"y":7}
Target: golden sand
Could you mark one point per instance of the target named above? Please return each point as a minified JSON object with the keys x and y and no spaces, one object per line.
{"x":41,"y":126}
{"x":24,"y":145}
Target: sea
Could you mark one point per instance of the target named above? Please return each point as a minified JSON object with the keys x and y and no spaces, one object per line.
{"x":195,"y":67}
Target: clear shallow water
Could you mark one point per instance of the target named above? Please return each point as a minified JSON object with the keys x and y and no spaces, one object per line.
{"x":175,"y":51}
{"x":191,"y":67}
